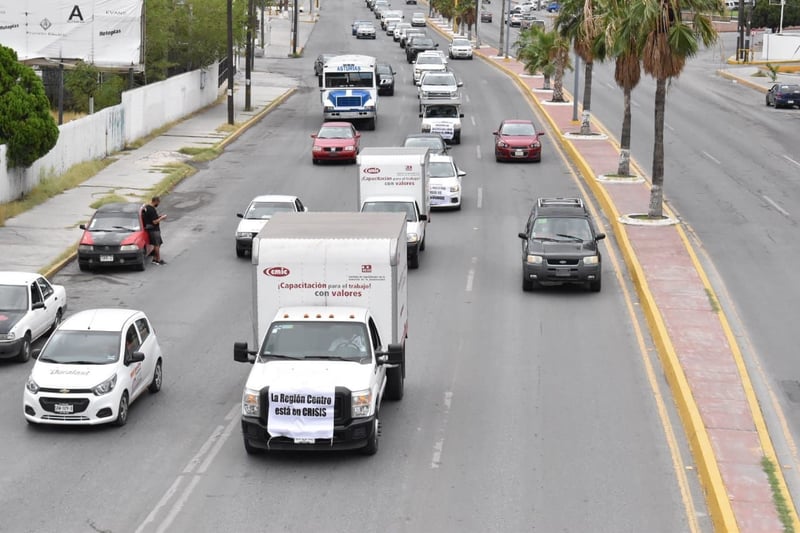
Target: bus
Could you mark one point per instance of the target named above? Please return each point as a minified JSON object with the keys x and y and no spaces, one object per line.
{"x":349,"y":89}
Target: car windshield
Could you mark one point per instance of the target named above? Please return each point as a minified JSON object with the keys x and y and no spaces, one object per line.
{"x":111,"y":221}
{"x":518,"y":129}
{"x":13,"y":298}
{"x":392,"y":207}
{"x":264,"y":210}
{"x":314,"y":340}
{"x":441,"y":169}
{"x":461,"y":42}
{"x":82,"y":347}
{"x":427,"y":60}
{"x":335,"y":132}
{"x":789,"y":88}
{"x":425,"y":142}
{"x":418,"y":16}
{"x":562,"y":229}
{"x":423,"y":41}
{"x":384,"y":69}
{"x":438,"y":79}
{"x":441,"y":111}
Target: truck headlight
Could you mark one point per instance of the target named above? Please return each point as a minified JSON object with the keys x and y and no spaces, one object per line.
{"x":369,"y":107}
{"x":412,"y":237}
{"x":32,"y":386}
{"x":361,"y":404}
{"x":128,"y":248}
{"x":534,"y":259}
{"x":242,"y":234}
{"x":251,"y":403}
{"x":85,"y":248}
{"x":426,"y":128}
{"x":106,"y":386}
{"x":591,"y":260}
{"x":327,"y":108}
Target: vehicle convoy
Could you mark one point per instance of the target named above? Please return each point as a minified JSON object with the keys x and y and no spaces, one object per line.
{"x":330,"y":320}
{"x":30,"y":307}
{"x":442,"y":116}
{"x":395,"y":179}
{"x":349,"y":89}
{"x":559,"y":245}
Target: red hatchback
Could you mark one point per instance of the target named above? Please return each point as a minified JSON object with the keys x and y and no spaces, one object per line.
{"x":517,"y":140}
{"x":335,"y":141}
{"x":115,"y":236}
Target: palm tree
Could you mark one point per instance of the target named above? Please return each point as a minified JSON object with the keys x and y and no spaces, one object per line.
{"x":560,"y":57}
{"x":465,"y":15}
{"x":667,"y":42}
{"x":535,"y":50}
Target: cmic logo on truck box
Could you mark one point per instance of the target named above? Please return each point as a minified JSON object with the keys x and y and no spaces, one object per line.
{"x":277,"y":272}
{"x":372,"y":170}
{"x":366,"y":269}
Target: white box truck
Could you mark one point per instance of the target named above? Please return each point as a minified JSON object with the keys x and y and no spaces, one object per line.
{"x":395,"y":179}
{"x":330,"y":320}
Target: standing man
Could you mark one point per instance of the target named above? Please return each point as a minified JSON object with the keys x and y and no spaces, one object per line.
{"x":152,"y":223}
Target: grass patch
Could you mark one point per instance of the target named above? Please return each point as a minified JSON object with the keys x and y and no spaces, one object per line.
{"x":759,"y":74}
{"x":176,"y":173}
{"x":645,"y":216}
{"x":229,"y":128}
{"x":712,"y":301}
{"x":56,"y":265}
{"x":201,"y":155}
{"x":108,"y":199}
{"x":777,"y":495}
{"x":53,"y":186}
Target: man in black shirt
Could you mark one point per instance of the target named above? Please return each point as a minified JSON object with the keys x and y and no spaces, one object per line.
{"x":152,"y":221}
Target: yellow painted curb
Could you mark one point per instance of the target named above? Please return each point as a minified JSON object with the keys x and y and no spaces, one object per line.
{"x":742,"y":81}
{"x":719,"y":504}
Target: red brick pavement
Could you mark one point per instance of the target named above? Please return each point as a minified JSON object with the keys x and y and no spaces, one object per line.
{"x":704,"y":363}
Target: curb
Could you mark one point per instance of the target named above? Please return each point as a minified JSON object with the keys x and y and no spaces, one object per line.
{"x":55,"y":268}
{"x":742,"y":81}
{"x":719,"y":504}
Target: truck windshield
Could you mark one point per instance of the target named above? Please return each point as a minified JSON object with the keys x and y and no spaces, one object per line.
{"x":392,"y":207}
{"x":317,"y":340}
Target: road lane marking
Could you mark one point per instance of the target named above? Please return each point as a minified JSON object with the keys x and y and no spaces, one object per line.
{"x":711,"y":157}
{"x":478,"y":151}
{"x":466,"y":98}
{"x":670,"y":128}
{"x":438,"y":446}
{"x":209,"y":450}
{"x":789,"y":159}
{"x":778,"y":208}
{"x":480,"y":197}
{"x":472,"y":118}
{"x":471,"y":275}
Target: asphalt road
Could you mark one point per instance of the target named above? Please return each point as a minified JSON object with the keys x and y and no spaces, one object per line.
{"x":523,"y":412}
{"x":731,"y":172}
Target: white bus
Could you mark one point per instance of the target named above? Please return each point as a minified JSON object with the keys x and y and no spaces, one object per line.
{"x":350,"y":89}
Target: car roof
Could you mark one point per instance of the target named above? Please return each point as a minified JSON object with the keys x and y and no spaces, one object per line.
{"x":99,"y":320}
{"x":517,"y":121}
{"x":18,"y":278}
{"x":440,"y":158}
{"x":120,"y":207}
{"x":274,"y":198}
{"x":560,"y":207}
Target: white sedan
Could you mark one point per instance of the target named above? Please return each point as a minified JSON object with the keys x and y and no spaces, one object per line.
{"x":258,"y":213}
{"x":460,"y":48}
{"x":92,"y":368}
{"x":444,"y":182}
{"x":30,"y":306}
{"x":418,"y":19}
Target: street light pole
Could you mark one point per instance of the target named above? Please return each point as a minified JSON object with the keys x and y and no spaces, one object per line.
{"x":294,"y":29}
{"x":575,"y":88}
{"x":230,"y":62}
{"x":508,"y":29}
{"x":249,"y":53}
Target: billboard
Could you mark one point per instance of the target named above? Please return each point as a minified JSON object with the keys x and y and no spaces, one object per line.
{"x":106,"y":33}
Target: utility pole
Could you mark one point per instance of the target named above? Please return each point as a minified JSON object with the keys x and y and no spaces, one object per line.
{"x":249,"y":53}
{"x":455,"y":16}
{"x":294,"y":29}
{"x":502,"y":26}
{"x":230,"y":62}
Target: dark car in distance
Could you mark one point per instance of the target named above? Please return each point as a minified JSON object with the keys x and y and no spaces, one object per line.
{"x":385,"y":79}
{"x":114,"y":236}
{"x":783,"y":95}
{"x":486,"y":16}
{"x":559,"y":245}
{"x":417,"y":45}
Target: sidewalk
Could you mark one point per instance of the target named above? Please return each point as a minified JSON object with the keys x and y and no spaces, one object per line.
{"x":697,"y":348}
{"x":37,"y":239}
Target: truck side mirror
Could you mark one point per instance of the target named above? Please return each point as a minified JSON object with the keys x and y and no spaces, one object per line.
{"x":420,"y":116}
{"x":240,"y":215}
{"x":423,"y":217}
{"x":600,"y":236}
{"x":392,"y":356}
{"x":241,"y":354}
{"x":83,"y":226}
{"x":522,"y":236}
{"x":461,"y":115}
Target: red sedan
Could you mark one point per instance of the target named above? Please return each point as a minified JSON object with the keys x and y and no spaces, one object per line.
{"x":517,"y":140}
{"x":335,"y":141}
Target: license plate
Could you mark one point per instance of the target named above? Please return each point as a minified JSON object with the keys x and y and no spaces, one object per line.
{"x":562,"y":273}
{"x":63,"y":408}
{"x":790,"y":102}
{"x":439,"y":198}
{"x":106,"y":258}
{"x":333,"y":149}
{"x":304,"y":441}
{"x":519,"y":153}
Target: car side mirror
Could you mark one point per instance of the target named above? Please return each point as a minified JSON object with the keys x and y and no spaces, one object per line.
{"x":240,"y":215}
{"x":82,"y":226}
{"x":423,"y":217}
{"x":135,"y":357}
{"x":358,"y":135}
{"x":37,"y":305}
{"x":436,"y":45}
{"x":522,"y":236}
{"x":313,"y":135}
{"x":600,"y":236}
{"x":460,"y":84}
{"x":461,"y":115}
{"x":420,"y":115}
{"x":241,"y":354}
{"x":461,"y":173}
{"x":539,"y":133}
{"x":35,"y":353}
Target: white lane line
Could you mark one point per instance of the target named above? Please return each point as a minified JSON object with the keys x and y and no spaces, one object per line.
{"x":472,"y":118}
{"x":478,"y":151}
{"x":789,"y":159}
{"x":778,"y":208}
{"x":670,"y":128}
{"x":466,"y":98}
{"x":439,"y":445}
{"x":470,"y":279}
{"x":711,"y":157}
{"x":209,"y":449}
{"x":480,"y":197}
{"x":612,"y":85}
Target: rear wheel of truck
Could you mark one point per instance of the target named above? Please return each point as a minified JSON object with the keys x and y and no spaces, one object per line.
{"x":395,"y":384}
{"x":413,"y":260}
{"x":369,"y":124}
{"x":371,"y":448}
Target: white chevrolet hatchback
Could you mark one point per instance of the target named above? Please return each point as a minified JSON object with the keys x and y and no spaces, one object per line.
{"x":95,"y":364}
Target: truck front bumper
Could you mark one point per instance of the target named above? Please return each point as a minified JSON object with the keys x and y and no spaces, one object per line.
{"x":351,"y":436}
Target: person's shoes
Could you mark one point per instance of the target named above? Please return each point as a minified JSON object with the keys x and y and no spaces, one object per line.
{"x":162,"y":262}
{"x":157,"y":262}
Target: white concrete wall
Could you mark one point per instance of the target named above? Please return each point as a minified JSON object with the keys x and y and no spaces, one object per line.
{"x":781,"y":47}
{"x":100,"y":135}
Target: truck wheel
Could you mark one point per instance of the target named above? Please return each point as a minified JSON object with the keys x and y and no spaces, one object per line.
{"x":457,"y":138}
{"x":370,"y":124}
{"x":529,"y":284}
{"x":394,"y":384}
{"x":239,"y":252}
{"x":596,"y":285}
{"x":251,"y":450}
{"x":371,"y":448}
{"x":422,"y":246}
{"x":413,"y":260}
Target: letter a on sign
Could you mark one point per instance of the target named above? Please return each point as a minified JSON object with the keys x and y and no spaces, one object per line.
{"x":76,"y":13}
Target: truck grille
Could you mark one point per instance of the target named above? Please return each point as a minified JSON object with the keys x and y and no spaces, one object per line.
{"x":561,"y":261}
{"x":348,"y":101}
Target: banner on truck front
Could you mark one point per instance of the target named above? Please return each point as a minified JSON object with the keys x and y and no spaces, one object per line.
{"x":105,"y":33}
{"x":302,"y":413}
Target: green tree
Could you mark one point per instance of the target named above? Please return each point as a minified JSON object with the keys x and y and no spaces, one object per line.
{"x":26,"y":125}
{"x":668,"y":41}
{"x":539,"y":51}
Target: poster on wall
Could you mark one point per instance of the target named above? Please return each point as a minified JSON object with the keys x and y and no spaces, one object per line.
{"x":106,"y":33}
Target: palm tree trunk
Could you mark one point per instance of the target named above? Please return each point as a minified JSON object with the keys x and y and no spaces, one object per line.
{"x":587,"y":98}
{"x":656,"y":209}
{"x":546,"y":83}
{"x":558,"y":82}
{"x":624,"y":167}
